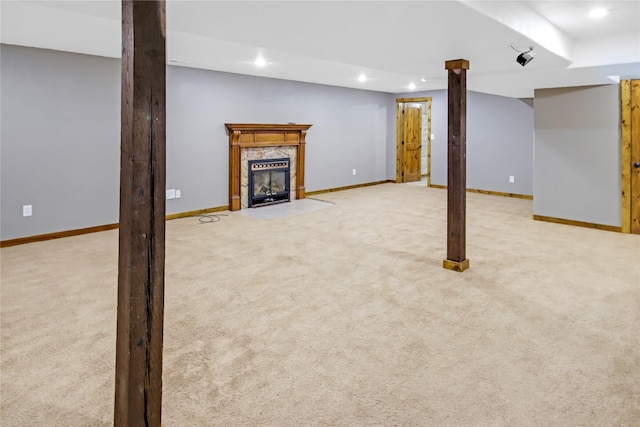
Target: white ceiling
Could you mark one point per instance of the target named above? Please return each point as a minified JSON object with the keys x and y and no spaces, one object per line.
{"x":392,"y":42}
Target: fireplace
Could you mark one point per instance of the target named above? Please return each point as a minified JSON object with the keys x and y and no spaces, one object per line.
{"x":256,"y":141}
{"x":269,"y":182}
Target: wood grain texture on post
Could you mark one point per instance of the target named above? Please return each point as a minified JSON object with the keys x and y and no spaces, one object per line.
{"x":457,"y":165}
{"x":138,"y":391}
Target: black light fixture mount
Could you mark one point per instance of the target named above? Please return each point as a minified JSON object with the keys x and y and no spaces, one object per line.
{"x":525,"y":56}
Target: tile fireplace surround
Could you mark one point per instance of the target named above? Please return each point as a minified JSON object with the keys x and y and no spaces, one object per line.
{"x":250,"y":141}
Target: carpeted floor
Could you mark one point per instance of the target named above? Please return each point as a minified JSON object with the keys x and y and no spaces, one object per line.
{"x":341,"y":316}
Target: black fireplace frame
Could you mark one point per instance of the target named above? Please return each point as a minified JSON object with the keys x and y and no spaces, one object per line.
{"x":269,"y":165}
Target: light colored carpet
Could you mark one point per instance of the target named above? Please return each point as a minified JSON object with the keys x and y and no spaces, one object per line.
{"x":281,"y":210}
{"x":341,"y":317}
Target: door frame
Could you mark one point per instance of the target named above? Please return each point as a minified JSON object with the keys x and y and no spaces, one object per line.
{"x":630,"y":139}
{"x":400,"y":130}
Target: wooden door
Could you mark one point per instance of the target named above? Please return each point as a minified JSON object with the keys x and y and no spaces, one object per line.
{"x":412,"y":142}
{"x":630,"y":156}
{"x":635,"y":156}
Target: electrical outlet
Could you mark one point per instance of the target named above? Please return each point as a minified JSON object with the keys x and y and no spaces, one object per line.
{"x":512,"y":179}
{"x":171,"y":194}
{"x":27,"y":210}
{"x":178,"y":194}
{"x":354,"y":171}
{"x":433,"y":136}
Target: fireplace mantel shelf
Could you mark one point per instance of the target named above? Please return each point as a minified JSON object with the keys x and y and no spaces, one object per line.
{"x":248,"y":135}
{"x":257,"y":127}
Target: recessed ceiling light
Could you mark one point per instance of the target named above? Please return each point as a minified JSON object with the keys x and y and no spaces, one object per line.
{"x":260,"y":62}
{"x":362,"y":78}
{"x":598,"y":12}
{"x":423,"y":79}
{"x":412,"y":85}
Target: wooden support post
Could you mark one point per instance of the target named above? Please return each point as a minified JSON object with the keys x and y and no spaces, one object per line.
{"x":138,"y":391}
{"x":457,"y":166}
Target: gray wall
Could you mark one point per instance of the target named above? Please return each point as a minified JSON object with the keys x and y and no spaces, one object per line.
{"x":577,"y":151}
{"x":499,"y":141}
{"x":349,"y":131}
{"x":60,"y":141}
{"x":61,"y":136}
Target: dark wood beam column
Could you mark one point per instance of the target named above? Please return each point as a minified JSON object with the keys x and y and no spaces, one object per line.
{"x":138,"y":391}
{"x":457,"y":166}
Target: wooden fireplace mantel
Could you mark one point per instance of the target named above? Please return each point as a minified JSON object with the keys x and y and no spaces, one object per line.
{"x":250,"y":135}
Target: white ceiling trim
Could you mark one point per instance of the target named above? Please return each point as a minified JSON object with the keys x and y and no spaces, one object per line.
{"x":393,"y":43}
{"x":190,"y":50}
{"x":41,"y":26}
{"x":606,"y":50}
{"x":527,"y":22}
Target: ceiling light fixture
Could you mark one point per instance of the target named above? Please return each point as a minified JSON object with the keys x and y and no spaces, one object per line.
{"x":423,"y":80}
{"x":412,"y":86}
{"x":598,"y":12}
{"x":362,"y":78}
{"x":260,"y":62}
{"x":525,"y":56}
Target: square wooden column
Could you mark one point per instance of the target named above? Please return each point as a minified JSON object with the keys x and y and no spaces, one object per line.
{"x":138,"y":389}
{"x":457,"y":166}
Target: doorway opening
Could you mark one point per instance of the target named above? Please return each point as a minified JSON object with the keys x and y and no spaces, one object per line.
{"x":413,"y":140}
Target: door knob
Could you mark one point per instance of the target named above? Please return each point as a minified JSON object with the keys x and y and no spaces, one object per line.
{"x":636,"y":165}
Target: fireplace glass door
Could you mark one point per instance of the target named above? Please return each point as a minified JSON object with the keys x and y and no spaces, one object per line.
{"x":268,"y":181}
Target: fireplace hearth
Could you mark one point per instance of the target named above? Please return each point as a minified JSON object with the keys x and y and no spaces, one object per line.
{"x":269,"y":182}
